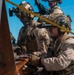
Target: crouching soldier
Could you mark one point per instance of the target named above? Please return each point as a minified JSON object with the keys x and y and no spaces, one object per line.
{"x":62,"y":60}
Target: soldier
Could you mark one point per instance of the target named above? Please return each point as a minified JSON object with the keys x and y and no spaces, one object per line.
{"x":54,"y":10}
{"x":41,"y":34}
{"x":42,"y":40}
{"x":27,"y":33}
{"x":25,"y":36}
{"x":62,"y":60}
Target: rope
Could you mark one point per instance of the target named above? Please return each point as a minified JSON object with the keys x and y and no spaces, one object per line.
{"x":44,"y":19}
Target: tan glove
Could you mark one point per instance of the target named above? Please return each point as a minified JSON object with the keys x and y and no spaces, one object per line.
{"x":34,"y":60}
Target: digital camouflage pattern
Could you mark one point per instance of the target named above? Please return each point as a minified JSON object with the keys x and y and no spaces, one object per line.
{"x":43,"y":41}
{"x":63,"y":57}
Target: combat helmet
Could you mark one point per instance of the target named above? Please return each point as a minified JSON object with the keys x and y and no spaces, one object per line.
{"x":23,"y":16}
{"x":27,"y":6}
{"x":64,"y":21}
{"x":59,"y":1}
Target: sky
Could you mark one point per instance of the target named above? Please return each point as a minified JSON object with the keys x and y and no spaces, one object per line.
{"x":15,"y":24}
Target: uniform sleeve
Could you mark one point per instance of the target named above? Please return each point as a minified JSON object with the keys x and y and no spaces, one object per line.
{"x":42,"y":39}
{"x":58,"y":11}
{"x":60,"y":62}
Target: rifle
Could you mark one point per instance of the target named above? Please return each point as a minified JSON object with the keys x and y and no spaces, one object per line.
{"x":41,"y":8}
{"x":44,"y":25}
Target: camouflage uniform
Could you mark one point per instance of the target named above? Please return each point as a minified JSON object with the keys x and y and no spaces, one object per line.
{"x":43,"y":41}
{"x":24,"y":37}
{"x":62,"y":62}
{"x":53,"y":14}
{"x":41,"y":34}
{"x":30,"y":34}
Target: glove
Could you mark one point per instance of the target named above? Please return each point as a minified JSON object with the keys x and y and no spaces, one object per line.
{"x":34,"y":60}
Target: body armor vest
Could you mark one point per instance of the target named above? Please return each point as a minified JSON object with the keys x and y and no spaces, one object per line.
{"x":27,"y":39}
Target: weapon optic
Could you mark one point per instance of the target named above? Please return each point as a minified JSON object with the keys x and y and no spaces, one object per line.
{"x":13,"y":10}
